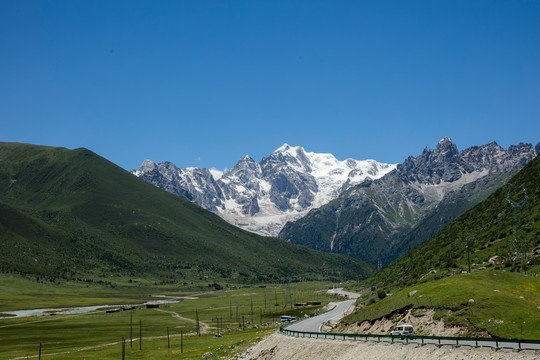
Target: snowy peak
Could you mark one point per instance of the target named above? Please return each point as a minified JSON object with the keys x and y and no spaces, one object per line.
{"x":245,"y":169}
{"x":290,"y":150}
{"x":262,"y":197}
{"x":216,"y":174}
{"x":286,"y":156}
{"x":283,"y":148}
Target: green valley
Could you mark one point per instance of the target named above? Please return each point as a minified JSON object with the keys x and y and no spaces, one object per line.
{"x":186,"y":328}
{"x":70,"y":215}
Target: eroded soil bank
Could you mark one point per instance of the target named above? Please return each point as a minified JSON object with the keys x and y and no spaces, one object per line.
{"x":281,"y":347}
{"x":423,"y":320}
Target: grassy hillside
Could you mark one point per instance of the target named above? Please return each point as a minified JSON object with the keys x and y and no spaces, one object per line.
{"x":503,"y":304}
{"x":489,"y":228}
{"x":70,"y":214}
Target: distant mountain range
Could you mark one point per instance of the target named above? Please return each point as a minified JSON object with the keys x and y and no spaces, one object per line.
{"x":262,"y":197}
{"x":72,"y":215}
{"x":381,"y":220}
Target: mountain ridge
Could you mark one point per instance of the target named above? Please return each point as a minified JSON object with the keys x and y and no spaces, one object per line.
{"x":261,"y":197}
{"x":380,"y":220}
{"x":486,"y":230}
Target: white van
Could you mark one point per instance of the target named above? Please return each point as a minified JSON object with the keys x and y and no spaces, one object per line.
{"x":403,"y":330}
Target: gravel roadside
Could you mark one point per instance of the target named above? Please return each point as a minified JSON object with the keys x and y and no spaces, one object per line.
{"x":281,"y":347}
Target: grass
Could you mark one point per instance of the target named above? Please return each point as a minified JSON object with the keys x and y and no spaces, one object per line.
{"x":245,"y":315}
{"x":18,"y":293}
{"x":506,"y":305}
{"x":194,"y":347}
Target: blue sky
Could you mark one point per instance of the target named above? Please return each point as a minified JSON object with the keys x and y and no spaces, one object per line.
{"x":203,"y":83}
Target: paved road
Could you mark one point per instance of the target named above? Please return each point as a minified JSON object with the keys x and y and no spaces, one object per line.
{"x":314,"y":324}
{"x":347,"y":294}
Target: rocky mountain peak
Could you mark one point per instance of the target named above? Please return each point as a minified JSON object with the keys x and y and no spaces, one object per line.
{"x":246,"y":161}
{"x":147,"y":165}
{"x":445,"y":149}
{"x":446,"y":163}
{"x":245,"y":169}
{"x":286,"y":158}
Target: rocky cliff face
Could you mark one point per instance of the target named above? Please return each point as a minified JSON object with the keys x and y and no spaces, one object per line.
{"x":380,"y":220}
{"x":261,"y":197}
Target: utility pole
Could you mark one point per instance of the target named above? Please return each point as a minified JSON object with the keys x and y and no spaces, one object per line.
{"x":251,"y":299}
{"x":289,"y":296}
{"x":519,"y":243}
{"x":197,"y":323}
{"x":468,"y":253}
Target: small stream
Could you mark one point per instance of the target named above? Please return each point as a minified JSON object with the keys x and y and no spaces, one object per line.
{"x":163,"y":299}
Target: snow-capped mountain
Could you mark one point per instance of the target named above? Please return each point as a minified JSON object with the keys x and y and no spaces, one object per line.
{"x":262,"y":197}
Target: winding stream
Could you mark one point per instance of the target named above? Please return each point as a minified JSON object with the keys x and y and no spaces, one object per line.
{"x":164,"y":299}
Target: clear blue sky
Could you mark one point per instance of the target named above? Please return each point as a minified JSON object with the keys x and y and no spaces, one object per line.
{"x":203,"y":83}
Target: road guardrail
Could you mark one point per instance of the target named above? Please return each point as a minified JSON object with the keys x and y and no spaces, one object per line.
{"x":517,"y":344}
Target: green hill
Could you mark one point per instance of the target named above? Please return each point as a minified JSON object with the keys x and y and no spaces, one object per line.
{"x":72,"y":215}
{"x":483,"y":303}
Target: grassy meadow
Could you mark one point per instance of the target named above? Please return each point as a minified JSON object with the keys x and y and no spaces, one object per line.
{"x":245,"y":315}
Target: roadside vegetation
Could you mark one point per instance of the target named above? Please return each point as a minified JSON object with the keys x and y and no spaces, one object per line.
{"x":501,"y":304}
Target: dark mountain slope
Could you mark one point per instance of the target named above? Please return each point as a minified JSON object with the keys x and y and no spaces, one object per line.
{"x":72,"y":214}
{"x":489,"y":228}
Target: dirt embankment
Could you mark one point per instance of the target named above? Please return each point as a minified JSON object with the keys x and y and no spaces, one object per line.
{"x":422,"y":320}
{"x":281,"y":347}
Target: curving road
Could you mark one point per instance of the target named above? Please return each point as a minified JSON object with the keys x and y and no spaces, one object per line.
{"x":314,"y":324}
